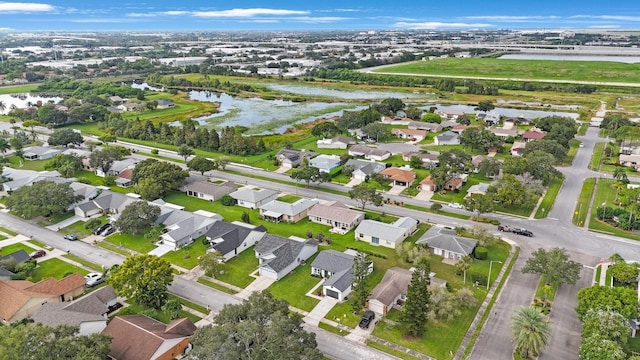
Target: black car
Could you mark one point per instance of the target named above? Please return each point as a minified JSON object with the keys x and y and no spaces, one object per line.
{"x":101,"y":228}
{"x":71,"y":237}
{"x":366,"y":319}
{"x":524,"y":232}
{"x":108,"y":231}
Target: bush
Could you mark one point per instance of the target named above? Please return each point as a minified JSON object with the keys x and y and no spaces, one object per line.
{"x":481,"y":253}
{"x":227,"y":200}
{"x":109,"y":180}
{"x":436,"y":206}
{"x":154,"y":151}
{"x":478,"y":279}
{"x":92,"y":224}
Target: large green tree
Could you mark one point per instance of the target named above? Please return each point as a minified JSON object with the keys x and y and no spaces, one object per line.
{"x":509,"y":191}
{"x":260,"y":328}
{"x":600,"y":348}
{"x":103,"y":159}
{"x":65,"y":137}
{"x":143,"y":279}
{"x":530,"y":331}
{"x":620,"y":299}
{"x":360,"y":288}
{"x":168,"y":176}
{"x":478,"y":203}
{"x":377,"y":131}
{"x":416,"y":309}
{"x":185,"y":151}
{"x":65,"y":164}
{"x":137,"y":217}
{"x":36,"y":342}
{"x":310,"y":174}
{"x":201,"y":164}
{"x":606,"y":323}
{"x":364,"y":194}
{"x":211,"y":262}
{"x":43,"y":198}
{"x":555,"y":265}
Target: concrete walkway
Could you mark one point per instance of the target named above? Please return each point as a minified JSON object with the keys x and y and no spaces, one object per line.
{"x":259,"y":284}
{"x":161,"y":250}
{"x":320,"y":311}
{"x":603,"y":274}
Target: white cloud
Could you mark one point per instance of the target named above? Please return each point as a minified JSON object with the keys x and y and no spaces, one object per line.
{"x":604,"y":27}
{"x":434,"y":25}
{"x":607,"y":17}
{"x":102,"y":20}
{"x":13,"y":7}
{"x":260,"y":21}
{"x":5,"y":29}
{"x":317,"y":19}
{"x":247,"y":12}
{"x":510,"y":18}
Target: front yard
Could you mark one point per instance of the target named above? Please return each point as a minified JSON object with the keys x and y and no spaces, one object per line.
{"x":187,"y":256}
{"x":237,"y":270}
{"x":134,"y":242}
{"x":55,"y":268}
{"x":295,"y":285}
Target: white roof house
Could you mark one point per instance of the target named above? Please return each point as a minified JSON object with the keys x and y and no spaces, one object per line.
{"x":383,"y":234}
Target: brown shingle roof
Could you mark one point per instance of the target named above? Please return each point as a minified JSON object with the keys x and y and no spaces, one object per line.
{"x":399,"y":174}
{"x":58,"y":287}
{"x":395,"y":281}
{"x":335,"y":213}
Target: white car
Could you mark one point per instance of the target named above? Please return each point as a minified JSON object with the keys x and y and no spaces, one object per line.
{"x":456,"y":205}
{"x":581,"y":144}
{"x":93,"y":279}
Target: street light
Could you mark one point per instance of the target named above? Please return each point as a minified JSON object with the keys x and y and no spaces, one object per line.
{"x":489,"y":276}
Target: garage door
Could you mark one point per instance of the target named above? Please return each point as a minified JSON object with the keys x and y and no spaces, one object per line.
{"x":333,"y":294}
{"x":376,"y":306}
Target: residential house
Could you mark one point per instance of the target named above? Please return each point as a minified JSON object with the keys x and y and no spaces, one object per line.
{"x":17,"y":178}
{"x":117,"y":167}
{"x":419,"y":125}
{"x":19,"y":256}
{"x":362,"y":169}
{"x":631,"y":160}
{"x":430,"y":160}
{"x":367,"y":152}
{"x":516,"y":148}
{"x":447,"y":138}
{"x":86,"y":191}
{"x":207,"y":190}
{"x":338,"y":142}
{"x":338,"y":216}
{"x":491,"y":118}
{"x":449,"y":114}
{"x":123,"y":179}
{"x":395,"y":120}
{"x":165,"y":104}
{"x":399,"y":176}
{"x":533,"y":135}
{"x":5,"y":274}
{"x":116,"y":100}
{"x":388,"y":235}
{"x":337,"y":268}
{"x":413,"y":135}
{"x":446,"y":243}
{"x":88,"y":313}
{"x":278,"y":211}
{"x":456,"y":182}
{"x":183,"y":227}
{"x":40,"y":153}
{"x":476,"y":160}
{"x":460,"y":128}
{"x":325,"y":163}
{"x":21,"y":298}
{"x":478,"y":189}
{"x":107,"y":202}
{"x":230,"y":239}
{"x":253,"y":198}
{"x":630,"y":147}
{"x":391,"y":290}
{"x":289,"y":158}
{"x":427,"y":184}
{"x":139,"y":337}
{"x":130,"y":106}
{"x":504,"y":132}
{"x":278,"y":256}
{"x":448,"y":124}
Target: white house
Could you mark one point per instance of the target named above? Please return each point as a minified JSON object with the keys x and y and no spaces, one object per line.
{"x":362,"y":169}
{"x":446,"y":243}
{"x":230,"y":239}
{"x":253,"y":198}
{"x":325,"y":163}
{"x":40,"y":153}
{"x":336,"y":267}
{"x":447,"y":138}
{"x":278,"y":256}
{"x":388,"y":235}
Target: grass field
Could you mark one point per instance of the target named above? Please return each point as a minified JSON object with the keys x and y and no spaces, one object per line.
{"x":55,"y":268}
{"x":523,"y":69}
{"x":187,"y":256}
{"x":10,"y":249}
{"x":295,"y":285}
{"x":237,"y":270}
{"x":549,"y":198}
{"x":17,"y":89}
{"x":584,"y":202}
{"x":134,"y":242}
{"x":596,"y":158}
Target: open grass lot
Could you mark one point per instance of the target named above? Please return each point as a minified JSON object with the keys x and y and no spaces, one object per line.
{"x":187,"y":256}
{"x":549,"y":198}
{"x":295,"y":285}
{"x":10,"y":249}
{"x":596,"y":158}
{"x":55,"y":268}
{"x":134,"y":242}
{"x":606,"y":193}
{"x":523,"y":69}
{"x":237,"y":270}
{"x":159,"y":315}
{"x":584,"y":201}
{"x":36,"y":165}
{"x":17,"y":89}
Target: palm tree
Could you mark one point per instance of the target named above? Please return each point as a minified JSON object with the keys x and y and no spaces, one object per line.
{"x":530,"y":331}
{"x":4,"y":146}
{"x":620,"y":174}
{"x":464,"y":264}
{"x":3,"y":107}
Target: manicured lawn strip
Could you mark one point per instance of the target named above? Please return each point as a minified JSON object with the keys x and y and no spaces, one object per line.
{"x":487,"y":311}
{"x":606,"y":193}
{"x":106,"y":245}
{"x":608,"y":278}
{"x":549,"y":198}
{"x":540,"y":293}
{"x":582,"y":129}
{"x":343,"y":313}
{"x":289,"y":198}
{"x":237,"y":270}
{"x":84,"y":262}
{"x":134,"y":242}
{"x":60,"y":217}
{"x":584,"y":202}
{"x":159,"y":315}
{"x":189,"y":304}
{"x":390,"y":351}
{"x":439,"y":212}
{"x":17,"y":89}
{"x":187,"y":256}
{"x":216,"y":286}
{"x":633,"y":344}
{"x":36,"y":165}
{"x":571,"y":154}
{"x":332,"y":329}
{"x":2,"y":237}
{"x":39,"y":244}
{"x":55,"y":268}
{"x":295,"y":285}
{"x":7,"y":231}
{"x":10,"y":249}
{"x":596,"y":157}
{"x":77,"y":228}
{"x":527,"y":69}
{"x":596,"y":280}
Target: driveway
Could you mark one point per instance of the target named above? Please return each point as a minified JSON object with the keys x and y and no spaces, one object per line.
{"x":353,"y":183}
{"x":259,"y":284}
{"x":396,"y":190}
{"x":320,"y":311}
{"x":161,"y":250}
{"x":424,"y":195}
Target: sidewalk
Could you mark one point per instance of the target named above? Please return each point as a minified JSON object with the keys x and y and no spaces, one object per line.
{"x":65,"y":223}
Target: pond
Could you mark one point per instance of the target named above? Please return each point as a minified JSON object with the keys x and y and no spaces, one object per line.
{"x":345,"y":94}
{"x":21,"y":101}
{"x":264,"y":116}
{"x":529,"y":114}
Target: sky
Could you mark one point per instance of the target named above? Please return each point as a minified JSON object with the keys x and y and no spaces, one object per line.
{"x":213,"y":15}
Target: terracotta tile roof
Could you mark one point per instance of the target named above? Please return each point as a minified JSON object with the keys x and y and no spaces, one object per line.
{"x":414,"y":132}
{"x":533,"y":135}
{"x":14,"y":294}
{"x":427,"y":181}
{"x":399,"y":174}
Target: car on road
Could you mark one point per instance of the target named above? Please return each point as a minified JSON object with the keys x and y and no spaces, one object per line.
{"x":71,"y":237}
{"x":581,"y":144}
{"x":101,"y":228}
{"x":456,"y":205}
{"x":93,"y":279}
{"x":37,"y":254}
{"x":366,"y":320}
{"x":524,"y":232}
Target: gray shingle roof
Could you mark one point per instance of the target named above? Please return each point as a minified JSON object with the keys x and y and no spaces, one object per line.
{"x":55,"y":314}
{"x":340,"y":280}
{"x":285,"y":251}
{"x":290,"y":209}
{"x":252,"y":195}
{"x":232,"y":235}
{"x":19,"y":256}
{"x":446,"y":239}
{"x":332,"y":261}
{"x":379,"y":229}
{"x":367,"y":167}
{"x":209,"y":188}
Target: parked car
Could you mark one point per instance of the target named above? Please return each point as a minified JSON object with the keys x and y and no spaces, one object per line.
{"x":101,"y":228}
{"x":524,"y":232}
{"x":456,"y":205}
{"x":93,"y":279}
{"x":581,"y":144}
{"x":366,"y":320}
{"x":108,"y":231}
{"x":71,"y":237}
{"x":37,"y":254}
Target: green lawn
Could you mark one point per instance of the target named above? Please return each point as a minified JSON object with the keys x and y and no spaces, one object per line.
{"x":596,"y":280}
{"x":295,"y":285}
{"x":106,"y":245}
{"x":7,"y":231}
{"x":606,"y":193}
{"x":78,"y":229}
{"x":584,"y":202}
{"x":10,"y":249}
{"x":187,"y":256}
{"x":540,"y":292}
{"x":596,"y":158}
{"x":216,"y":286}
{"x":388,"y":350}
{"x":343,"y":313}
{"x":189,"y":304}
{"x":571,"y":154}
{"x":159,"y":315}
{"x":289,"y":198}
{"x":549,"y":198}
{"x":55,"y":268}
{"x":134,"y":242}
{"x":17,"y":89}
{"x":84,"y":262}
{"x":237,"y":270}
{"x":332,"y":329}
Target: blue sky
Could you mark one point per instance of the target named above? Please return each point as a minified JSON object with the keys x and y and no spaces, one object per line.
{"x":212,"y":15}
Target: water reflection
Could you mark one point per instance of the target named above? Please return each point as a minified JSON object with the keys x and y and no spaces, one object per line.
{"x":21,"y":101}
